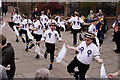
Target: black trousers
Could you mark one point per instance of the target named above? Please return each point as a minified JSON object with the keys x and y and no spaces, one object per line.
{"x":117,"y":39}
{"x":50,"y":48}
{"x":58,"y":30}
{"x":117,"y":45}
{"x":37,"y":37}
{"x":24,"y":32}
{"x":11,"y":24}
{"x":75,"y":35}
{"x":100,"y":36}
{"x":82,"y":68}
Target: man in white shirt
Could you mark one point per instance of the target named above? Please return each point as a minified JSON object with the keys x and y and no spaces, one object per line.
{"x":76,"y":26}
{"x":50,"y":37}
{"x":17,"y":18}
{"x":37,"y":32}
{"x":92,"y":29}
{"x":62,"y":24}
{"x":26,"y":25}
{"x":52,"y":19}
{"x":87,"y":52}
{"x":16,"y":21}
{"x":44,"y":19}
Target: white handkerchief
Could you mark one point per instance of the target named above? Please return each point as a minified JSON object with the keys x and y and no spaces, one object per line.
{"x":62,"y":53}
{"x":103,"y":74}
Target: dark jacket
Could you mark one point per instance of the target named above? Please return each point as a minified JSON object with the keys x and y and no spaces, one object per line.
{"x":8,"y":58}
{"x":117,"y":36}
{"x":35,"y":13}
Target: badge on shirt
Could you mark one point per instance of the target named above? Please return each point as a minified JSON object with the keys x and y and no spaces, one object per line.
{"x":89,"y":52}
{"x":74,"y":22}
{"x":78,"y":22}
{"x":55,"y":35}
{"x":49,"y":34}
{"x":81,"y":49}
{"x":94,"y":30}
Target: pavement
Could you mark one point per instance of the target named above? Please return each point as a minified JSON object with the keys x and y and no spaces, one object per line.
{"x":27,"y":65}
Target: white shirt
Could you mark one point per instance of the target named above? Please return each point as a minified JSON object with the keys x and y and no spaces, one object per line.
{"x":44,"y":19}
{"x":114,"y":24}
{"x":39,"y":28}
{"x":17,"y":18}
{"x":27,"y":23}
{"x":92,"y":29}
{"x":62,"y":23}
{"x":51,"y":36}
{"x":87,"y":54}
{"x":58,"y":19}
{"x":76,"y":22}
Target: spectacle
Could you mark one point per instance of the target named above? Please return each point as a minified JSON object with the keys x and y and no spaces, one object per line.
{"x":86,"y":39}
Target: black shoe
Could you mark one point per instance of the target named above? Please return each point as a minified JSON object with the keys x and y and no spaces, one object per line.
{"x":17,"y":40}
{"x":31,"y":46}
{"x":37,"y":56}
{"x":26,"y":49}
{"x":45,"y":55}
{"x":117,"y":51}
{"x":50,"y":67}
{"x":23,"y":40}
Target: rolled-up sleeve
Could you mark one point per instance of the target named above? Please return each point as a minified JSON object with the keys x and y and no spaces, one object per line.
{"x":96,"y":53}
